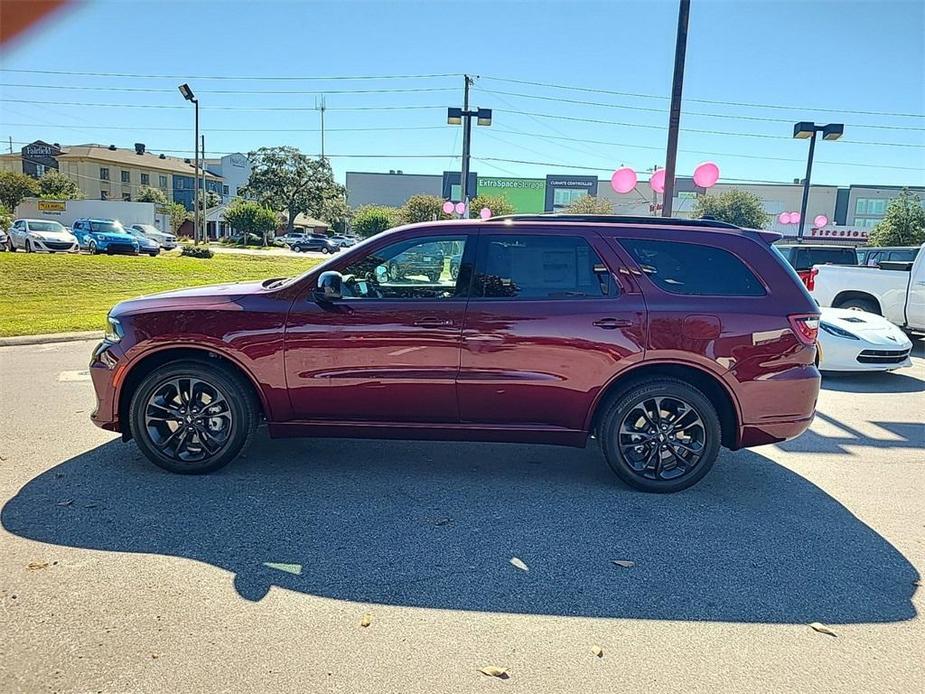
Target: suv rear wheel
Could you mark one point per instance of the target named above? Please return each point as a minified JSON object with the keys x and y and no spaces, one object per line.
{"x":661,"y":436}
{"x":192,"y":417}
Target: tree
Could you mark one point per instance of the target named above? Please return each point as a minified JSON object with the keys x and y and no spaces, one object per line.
{"x":335,"y":210}
{"x":250,"y":217}
{"x":369,"y":220}
{"x":177,"y":213}
{"x":735,"y":206}
{"x":15,"y":186}
{"x":286,"y":180}
{"x":6,"y":217}
{"x":155,"y":195}
{"x":56,"y":186}
{"x":589,"y":204}
{"x":211,"y":199}
{"x":903,"y":224}
{"x":422,"y":208}
{"x":498,"y":204}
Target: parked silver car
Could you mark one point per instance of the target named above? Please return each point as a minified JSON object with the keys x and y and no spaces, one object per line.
{"x":166,"y":241}
{"x":40,"y":235}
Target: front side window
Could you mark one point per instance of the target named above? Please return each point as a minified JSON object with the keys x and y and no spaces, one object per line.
{"x":413,"y":269}
{"x":692,"y":269}
{"x":540,"y":267}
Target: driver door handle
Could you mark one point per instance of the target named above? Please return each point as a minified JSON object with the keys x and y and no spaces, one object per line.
{"x":432,"y":323}
{"x":612,"y":323}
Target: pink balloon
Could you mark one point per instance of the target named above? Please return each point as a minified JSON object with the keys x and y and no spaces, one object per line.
{"x":448,"y":207}
{"x":484,"y":213}
{"x":820,"y":221}
{"x":784,"y":218}
{"x":706,"y":174}
{"x":460,"y":207}
{"x":657,"y":181}
{"x":623,"y":180}
{"x":794,"y":217}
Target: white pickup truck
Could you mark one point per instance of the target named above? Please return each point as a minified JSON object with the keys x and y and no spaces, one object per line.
{"x":897,"y":295}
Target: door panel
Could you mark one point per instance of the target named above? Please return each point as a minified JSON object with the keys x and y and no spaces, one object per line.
{"x":542,"y":361}
{"x":389,"y":350}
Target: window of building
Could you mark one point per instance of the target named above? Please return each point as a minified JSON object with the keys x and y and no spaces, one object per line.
{"x":415,"y":269}
{"x":126,"y":176}
{"x":162,"y":181}
{"x":563,"y":197}
{"x":456,"y":192}
{"x":104,"y":195}
{"x":104,"y":174}
{"x":540,"y":267}
{"x":870,"y":206}
{"x":39,"y":170}
{"x":692,"y":269}
{"x":224,"y":190}
{"x":127,"y":197}
{"x":145,"y":179}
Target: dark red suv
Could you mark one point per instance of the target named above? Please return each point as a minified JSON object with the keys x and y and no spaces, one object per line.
{"x":664,"y":339}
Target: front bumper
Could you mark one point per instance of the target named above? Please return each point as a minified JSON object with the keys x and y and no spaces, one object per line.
{"x":861,"y":355}
{"x":113,"y":247}
{"x":54,"y":246}
{"x":104,"y":372}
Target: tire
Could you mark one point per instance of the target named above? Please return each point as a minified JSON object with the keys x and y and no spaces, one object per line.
{"x":862,"y":305}
{"x":237,"y":419}
{"x":92,"y":248}
{"x":9,"y":244}
{"x":154,"y":255}
{"x":324,"y":251}
{"x":296,"y":249}
{"x":698,"y":444}
{"x":29,"y":248}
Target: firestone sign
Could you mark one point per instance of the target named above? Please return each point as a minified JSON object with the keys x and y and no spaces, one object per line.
{"x":840,"y":233}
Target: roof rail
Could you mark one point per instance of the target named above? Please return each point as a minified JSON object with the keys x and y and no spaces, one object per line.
{"x":616,"y":219}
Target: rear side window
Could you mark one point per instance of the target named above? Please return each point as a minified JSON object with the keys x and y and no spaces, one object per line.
{"x":693,"y":269}
{"x":540,"y":267}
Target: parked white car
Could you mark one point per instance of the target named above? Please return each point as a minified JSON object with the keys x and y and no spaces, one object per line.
{"x":167,"y":241}
{"x":897,"y":295}
{"x":40,"y":235}
{"x":3,"y":241}
{"x":852,"y":340}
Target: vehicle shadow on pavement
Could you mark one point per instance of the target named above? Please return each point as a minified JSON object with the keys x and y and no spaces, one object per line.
{"x":435,"y":525}
{"x":873,"y":382}
{"x":897,"y":435}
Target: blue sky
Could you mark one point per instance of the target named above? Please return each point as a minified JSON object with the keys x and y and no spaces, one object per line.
{"x":860,"y":63}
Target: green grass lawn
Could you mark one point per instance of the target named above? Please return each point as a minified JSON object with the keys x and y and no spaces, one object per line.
{"x":41,"y":293}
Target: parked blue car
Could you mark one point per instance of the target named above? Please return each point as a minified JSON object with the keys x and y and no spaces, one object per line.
{"x":145,"y":245}
{"x":104,"y":236}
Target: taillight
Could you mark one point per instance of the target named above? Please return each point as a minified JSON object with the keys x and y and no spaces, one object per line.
{"x":805,"y":327}
{"x":810,"y":279}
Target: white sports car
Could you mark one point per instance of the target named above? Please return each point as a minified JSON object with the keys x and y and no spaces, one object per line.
{"x":852,"y":340}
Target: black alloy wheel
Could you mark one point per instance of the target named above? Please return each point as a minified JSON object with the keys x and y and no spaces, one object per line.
{"x":662,"y":436}
{"x":192,"y":417}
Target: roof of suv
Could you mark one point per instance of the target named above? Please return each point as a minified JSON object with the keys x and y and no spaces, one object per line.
{"x":617,"y":219}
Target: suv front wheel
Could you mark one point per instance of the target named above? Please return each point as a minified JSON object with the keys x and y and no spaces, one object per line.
{"x":661,"y":436}
{"x":192,"y":417}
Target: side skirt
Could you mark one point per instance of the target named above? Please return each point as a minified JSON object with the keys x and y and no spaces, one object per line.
{"x":430,"y":432}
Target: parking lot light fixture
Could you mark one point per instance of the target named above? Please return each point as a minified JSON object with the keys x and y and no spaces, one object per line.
{"x":189,"y":96}
{"x":808,"y":130}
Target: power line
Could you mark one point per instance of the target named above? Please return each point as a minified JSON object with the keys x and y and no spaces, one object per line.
{"x":219,"y":108}
{"x":686,"y":113}
{"x":725,"y":133}
{"x":286,"y":78}
{"x":154,"y":90}
{"x":704,"y":101}
{"x":234,"y":130}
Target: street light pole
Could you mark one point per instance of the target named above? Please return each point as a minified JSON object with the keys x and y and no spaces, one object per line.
{"x":189,"y":96}
{"x":802,"y":131}
{"x":674,"y":116}
{"x":467,"y":134}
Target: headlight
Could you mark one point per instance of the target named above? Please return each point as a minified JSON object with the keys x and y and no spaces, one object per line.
{"x":836,"y":331}
{"x":113,"y":330}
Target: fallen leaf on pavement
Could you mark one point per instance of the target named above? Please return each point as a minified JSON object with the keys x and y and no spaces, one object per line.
{"x":495,"y":671}
{"x":822,"y":629}
{"x":66,"y":502}
{"x":35,"y":566}
{"x":442,"y":521}
{"x":598,"y":651}
{"x":623,"y":563}
{"x":367,"y":619}
{"x":519,"y":564}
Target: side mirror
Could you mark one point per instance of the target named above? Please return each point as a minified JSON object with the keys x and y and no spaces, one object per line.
{"x":329,"y":286}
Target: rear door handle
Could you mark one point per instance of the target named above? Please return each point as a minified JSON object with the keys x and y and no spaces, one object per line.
{"x":612,"y":323}
{"x":432,"y":323}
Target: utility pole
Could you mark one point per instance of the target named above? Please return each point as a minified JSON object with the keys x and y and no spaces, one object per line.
{"x":322,"y":108}
{"x":467,"y":134}
{"x":674,"y":116}
{"x":11,"y":144}
{"x":205,"y":224}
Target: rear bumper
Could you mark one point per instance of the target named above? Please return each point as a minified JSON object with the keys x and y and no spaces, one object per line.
{"x":778,"y":407}
{"x":772,"y":432}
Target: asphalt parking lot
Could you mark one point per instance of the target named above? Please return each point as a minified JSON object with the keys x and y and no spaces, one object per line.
{"x":116,"y":576}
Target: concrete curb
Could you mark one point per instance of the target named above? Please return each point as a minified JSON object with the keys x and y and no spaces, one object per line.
{"x":51,"y":338}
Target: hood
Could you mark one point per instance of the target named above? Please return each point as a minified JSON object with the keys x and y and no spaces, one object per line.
{"x":867,"y":326}
{"x":210,"y":295}
{"x":64,"y":236}
{"x":115,"y":235}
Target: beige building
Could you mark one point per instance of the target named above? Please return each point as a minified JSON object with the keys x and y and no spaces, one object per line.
{"x":112,"y":173}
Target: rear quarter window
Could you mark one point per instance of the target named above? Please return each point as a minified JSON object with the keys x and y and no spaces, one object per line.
{"x":693,"y":269}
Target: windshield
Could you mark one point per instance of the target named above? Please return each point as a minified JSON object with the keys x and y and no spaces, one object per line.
{"x":145,"y":228}
{"x":46,"y":226}
{"x":107,"y":227}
